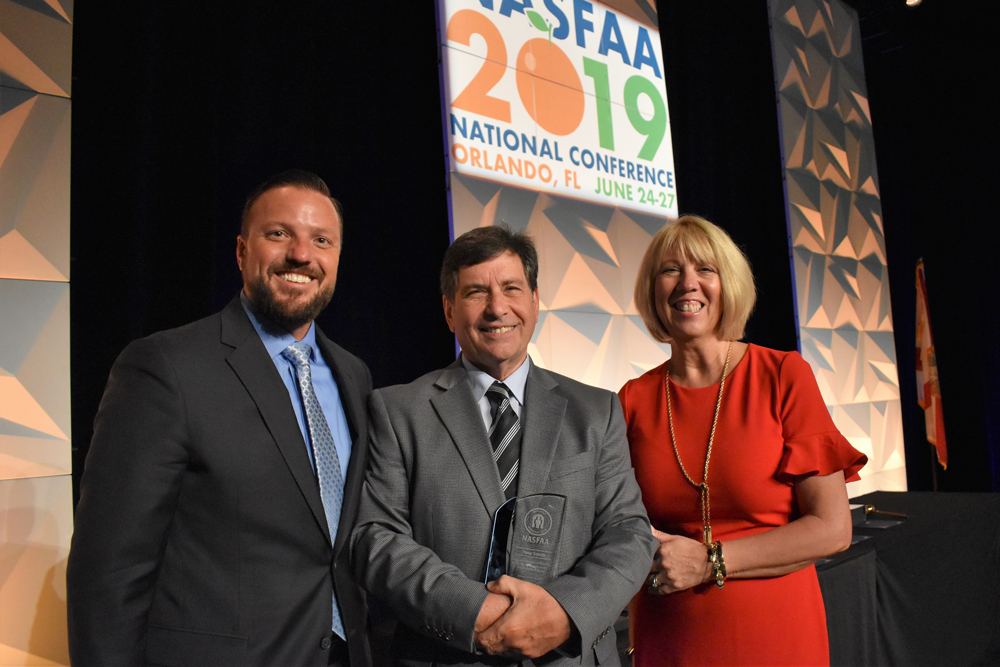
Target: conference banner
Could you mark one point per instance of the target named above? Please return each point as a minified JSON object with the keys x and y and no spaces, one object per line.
{"x":555,"y":121}
{"x":561,"y":96}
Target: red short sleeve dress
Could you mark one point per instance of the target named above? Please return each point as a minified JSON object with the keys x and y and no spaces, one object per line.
{"x":773,"y":428}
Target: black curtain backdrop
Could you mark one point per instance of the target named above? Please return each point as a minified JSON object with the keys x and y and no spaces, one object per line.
{"x":181,"y":108}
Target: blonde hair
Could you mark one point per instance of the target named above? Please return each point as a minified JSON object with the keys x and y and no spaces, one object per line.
{"x":695,"y":239}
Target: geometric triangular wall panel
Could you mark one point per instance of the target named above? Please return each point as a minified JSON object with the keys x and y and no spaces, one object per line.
{"x":835,"y":225}
{"x":36,"y":485}
{"x":35,"y":539}
{"x":34,"y":186}
{"x":34,"y":379}
{"x":36,"y":43}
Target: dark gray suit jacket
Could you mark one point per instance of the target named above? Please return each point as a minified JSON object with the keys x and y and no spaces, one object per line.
{"x":431,"y":491}
{"x":200,"y":534}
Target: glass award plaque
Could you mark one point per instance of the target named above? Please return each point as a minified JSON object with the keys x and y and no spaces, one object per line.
{"x":525,"y":538}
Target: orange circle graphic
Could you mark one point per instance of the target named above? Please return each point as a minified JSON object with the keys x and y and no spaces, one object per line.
{"x":549,"y":87}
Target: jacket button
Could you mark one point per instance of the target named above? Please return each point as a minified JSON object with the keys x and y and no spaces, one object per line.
{"x":325,"y":644}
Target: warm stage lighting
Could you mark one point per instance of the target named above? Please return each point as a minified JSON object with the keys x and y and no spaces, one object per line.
{"x":913,"y":3}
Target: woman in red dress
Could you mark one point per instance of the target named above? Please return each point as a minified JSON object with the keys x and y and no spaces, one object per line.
{"x":741,"y":468}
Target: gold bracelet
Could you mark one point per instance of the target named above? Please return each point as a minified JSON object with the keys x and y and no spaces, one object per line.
{"x":718,"y":563}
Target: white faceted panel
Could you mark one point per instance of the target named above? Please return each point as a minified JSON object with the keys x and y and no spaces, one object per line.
{"x":34,"y":541}
{"x":835,"y":227}
{"x":34,"y":379}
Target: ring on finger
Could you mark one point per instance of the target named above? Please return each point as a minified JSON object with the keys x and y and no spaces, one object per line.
{"x":655,"y":583}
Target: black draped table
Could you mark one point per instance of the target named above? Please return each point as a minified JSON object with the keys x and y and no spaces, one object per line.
{"x":925,"y":591}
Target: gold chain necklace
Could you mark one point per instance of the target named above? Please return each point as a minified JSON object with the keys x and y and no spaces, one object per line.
{"x":706,"y":511}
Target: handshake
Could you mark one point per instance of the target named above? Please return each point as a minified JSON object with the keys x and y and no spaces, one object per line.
{"x":520,"y":620}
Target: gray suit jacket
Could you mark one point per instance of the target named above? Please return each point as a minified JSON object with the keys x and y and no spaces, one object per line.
{"x":431,"y":490}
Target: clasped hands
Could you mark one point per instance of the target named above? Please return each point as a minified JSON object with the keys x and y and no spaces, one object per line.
{"x":520,"y":620}
{"x":678,"y":564}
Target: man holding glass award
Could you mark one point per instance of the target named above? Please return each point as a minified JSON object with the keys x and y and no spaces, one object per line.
{"x":500,"y":518}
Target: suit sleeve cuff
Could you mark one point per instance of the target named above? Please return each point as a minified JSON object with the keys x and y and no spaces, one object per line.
{"x":455,"y":622}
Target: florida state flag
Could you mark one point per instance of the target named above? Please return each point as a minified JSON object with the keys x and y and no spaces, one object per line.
{"x":928,"y":388}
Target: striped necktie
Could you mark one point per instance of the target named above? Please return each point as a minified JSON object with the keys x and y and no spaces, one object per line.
{"x":331,"y":477}
{"x":505,"y":437}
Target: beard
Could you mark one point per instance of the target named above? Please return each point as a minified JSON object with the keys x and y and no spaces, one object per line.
{"x":287,"y":315}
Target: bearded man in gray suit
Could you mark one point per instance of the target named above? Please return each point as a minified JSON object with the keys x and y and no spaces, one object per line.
{"x":447,"y":450}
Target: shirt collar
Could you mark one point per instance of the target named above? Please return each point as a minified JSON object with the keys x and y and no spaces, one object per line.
{"x":275,"y":338}
{"x":481,"y":380}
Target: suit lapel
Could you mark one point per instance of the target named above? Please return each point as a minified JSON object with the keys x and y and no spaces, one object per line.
{"x":544,"y":409}
{"x":352,"y":397}
{"x":460,"y":415}
{"x":251,"y":363}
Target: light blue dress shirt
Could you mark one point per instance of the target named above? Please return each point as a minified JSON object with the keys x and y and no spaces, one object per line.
{"x":481,"y":381}
{"x":327,"y":392}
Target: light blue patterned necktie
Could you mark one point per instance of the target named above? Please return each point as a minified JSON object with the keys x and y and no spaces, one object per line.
{"x":331,"y":477}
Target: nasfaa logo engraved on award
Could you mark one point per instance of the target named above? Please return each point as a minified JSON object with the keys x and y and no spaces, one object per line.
{"x":537,"y":521}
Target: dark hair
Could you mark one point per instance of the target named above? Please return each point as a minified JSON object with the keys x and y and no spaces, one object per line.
{"x":483,"y":243}
{"x":296,"y":178}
